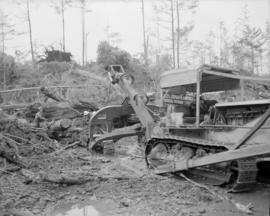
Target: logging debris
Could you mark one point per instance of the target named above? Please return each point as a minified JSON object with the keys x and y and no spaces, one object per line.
{"x":53,"y":125}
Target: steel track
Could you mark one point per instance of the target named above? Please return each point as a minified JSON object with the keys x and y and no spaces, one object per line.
{"x":240,"y":175}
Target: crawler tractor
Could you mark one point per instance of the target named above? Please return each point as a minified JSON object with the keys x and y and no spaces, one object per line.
{"x":225,"y":141}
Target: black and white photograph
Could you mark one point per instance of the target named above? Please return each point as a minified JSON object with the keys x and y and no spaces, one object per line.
{"x":134,"y":107}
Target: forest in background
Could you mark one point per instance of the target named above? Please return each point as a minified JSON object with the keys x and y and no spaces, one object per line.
{"x":246,"y":49}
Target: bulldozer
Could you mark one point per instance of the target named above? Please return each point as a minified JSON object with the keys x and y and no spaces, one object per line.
{"x":189,"y":132}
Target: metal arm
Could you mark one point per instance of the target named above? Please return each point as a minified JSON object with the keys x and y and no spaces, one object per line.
{"x":137,"y":100}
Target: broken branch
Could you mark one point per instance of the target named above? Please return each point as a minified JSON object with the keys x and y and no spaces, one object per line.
{"x":66,"y":147}
{"x":241,"y":207}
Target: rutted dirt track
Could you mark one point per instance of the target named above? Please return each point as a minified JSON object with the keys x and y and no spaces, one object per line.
{"x":123,"y":182}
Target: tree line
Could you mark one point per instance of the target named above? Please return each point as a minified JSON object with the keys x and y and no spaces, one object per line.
{"x":8,"y":30}
{"x":246,"y":48}
{"x":165,"y":47}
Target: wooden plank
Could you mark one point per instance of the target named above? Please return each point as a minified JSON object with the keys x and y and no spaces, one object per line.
{"x":215,"y":158}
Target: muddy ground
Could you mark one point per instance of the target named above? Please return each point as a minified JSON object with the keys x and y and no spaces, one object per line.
{"x":119,"y":185}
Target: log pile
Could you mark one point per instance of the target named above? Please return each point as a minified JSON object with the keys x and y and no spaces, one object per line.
{"x":41,"y":128}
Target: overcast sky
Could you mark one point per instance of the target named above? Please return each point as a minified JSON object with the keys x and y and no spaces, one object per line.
{"x":123,"y":16}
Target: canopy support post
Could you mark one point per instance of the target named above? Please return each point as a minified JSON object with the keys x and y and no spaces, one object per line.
{"x":198,"y":92}
{"x":242,"y":89}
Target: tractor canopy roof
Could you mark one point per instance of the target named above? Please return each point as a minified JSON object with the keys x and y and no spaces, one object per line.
{"x":211,"y":78}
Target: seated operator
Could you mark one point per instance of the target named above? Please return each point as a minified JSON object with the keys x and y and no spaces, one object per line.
{"x":206,"y":106}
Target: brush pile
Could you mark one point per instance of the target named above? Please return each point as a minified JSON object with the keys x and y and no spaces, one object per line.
{"x":41,"y":128}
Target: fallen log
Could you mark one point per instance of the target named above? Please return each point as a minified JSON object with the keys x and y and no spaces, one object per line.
{"x":57,"y":111}
{"x":82,"y":106}
{"x":11,"y":155}
{"x":50,"y":111}
{"x":63,"y":178}
{"x":66,"y":147}
{"x":48,"y":93}
{"x":67,"y":180}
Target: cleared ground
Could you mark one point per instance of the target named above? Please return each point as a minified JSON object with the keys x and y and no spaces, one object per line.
{"x":120,"y":184}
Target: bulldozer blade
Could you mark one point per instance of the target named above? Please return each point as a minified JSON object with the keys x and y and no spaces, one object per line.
{"x":231,"y":155}
{"x":116,"y":135}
